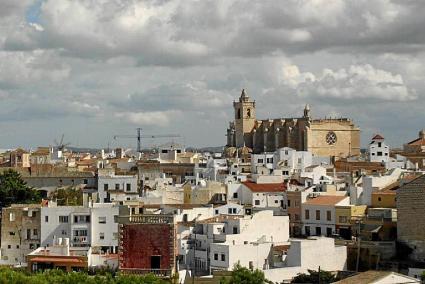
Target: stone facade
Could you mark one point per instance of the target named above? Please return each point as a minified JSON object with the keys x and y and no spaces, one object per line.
{"x":410,"y":221}
{"x":323,"y":137}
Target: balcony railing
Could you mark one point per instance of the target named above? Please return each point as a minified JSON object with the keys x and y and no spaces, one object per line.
{"x":147,"y":219}
{"x":158,"y":272}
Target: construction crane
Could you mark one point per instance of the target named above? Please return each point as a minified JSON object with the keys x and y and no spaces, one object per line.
{"x":139,"y":137}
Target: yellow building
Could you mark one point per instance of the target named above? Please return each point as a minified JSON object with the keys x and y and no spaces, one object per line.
{"x":346,"y":216}
{"x":212,"y":192}
{"x":323,"y":137}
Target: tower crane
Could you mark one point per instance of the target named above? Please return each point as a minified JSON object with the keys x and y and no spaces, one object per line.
{"x":139,"y":137}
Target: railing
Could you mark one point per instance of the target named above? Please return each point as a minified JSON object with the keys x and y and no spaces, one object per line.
{"x":147,"y":219}
{"x":158,"y":272}
{"x":83,"y":240}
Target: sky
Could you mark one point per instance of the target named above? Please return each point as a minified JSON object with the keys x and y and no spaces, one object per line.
{"x":94,"y":69}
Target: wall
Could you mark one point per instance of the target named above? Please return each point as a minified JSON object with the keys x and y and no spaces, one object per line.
{"x":141,"y":241}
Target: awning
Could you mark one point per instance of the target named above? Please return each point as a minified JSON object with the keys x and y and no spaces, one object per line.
{"x":57,"y":260}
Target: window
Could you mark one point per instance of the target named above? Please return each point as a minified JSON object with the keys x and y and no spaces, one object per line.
{"x":11,"y":216}
{"x":297,"y":217}
{"x":9,"y":246}
{"x":289,"y":203}
{"x":328,"y":215}
{"x":35,"y":232}
{"x":216,"y":256}
{"x":28,"y":234}
{"x":128,"y":186}
{"x":64,"y":233}
{"x":379,"y":153}
{"x":299,"y":160}
{"x":269,"y":160}
{"x":216,"y":211}
{"x":223,"y":257}
{"x":46,"y":219}
{"x":260,"y":161}
{"x":235,"y":195}
{"x":379,"y":144}
{"x":85,"y":181}
{"x":235,"y":230}
{"x":105,"y":186}
{"x":257,"y":202}
{"x":11,"y":233}
{"x":102,"y":220}
{"x":234,"y":210}
{"x":328,"y":232}
{"x":343,"y":219}
{"x":117,"y":186}
{"x":307,"y":214}
{"x":32,"y":246}
{"x":17,"y":246}
{"x":229,"y":210}
{"x":317,"y":214}
{"x":101,"y":236}
{"x":63,"y":219}
{"x":379,"y":199}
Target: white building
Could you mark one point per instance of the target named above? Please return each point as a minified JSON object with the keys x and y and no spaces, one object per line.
{"x":93,"y":225}
{"x":113,"y":188}
{"x":318,"y":214}
{"x":223,"y":241}
{"x":291,"y":161}
{"x":310,"y":253}
{"x":379,"y":151}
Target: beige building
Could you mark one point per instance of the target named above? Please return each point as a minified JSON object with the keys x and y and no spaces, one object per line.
{"x":410,"y":216}
{"x":20,"y":232}
{"x":323,"y":137}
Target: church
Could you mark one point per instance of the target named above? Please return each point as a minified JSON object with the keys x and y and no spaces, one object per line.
{"x":336,"y":137}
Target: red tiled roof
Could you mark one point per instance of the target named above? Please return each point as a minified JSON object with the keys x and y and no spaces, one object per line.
{"x":325,"y":200}
{"x":377,"y":137}
{"x":417,"y":142}
{"x":265,"y":187}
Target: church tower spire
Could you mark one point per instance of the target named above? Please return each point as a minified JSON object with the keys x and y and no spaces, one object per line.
{"x":244,"y":119}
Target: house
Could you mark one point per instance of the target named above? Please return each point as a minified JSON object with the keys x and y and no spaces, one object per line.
{"x":115,"y":188}
{"x":417,"y":145}
{"x":346,"y":217}
{"x":318,"y":214}
{"x":263,"y":195}
{"x":20,"y":158}
{"x":20,"y":232}
{"x":378,"y":277}
{"x":300,"y":255}
{"x":220,"y":242}
{"x":379,"y":151}
{"x":296,"y":195}
{"x":410,"y":226}
{"x":59,"y":255}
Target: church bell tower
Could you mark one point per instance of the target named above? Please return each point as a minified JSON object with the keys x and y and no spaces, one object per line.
{"x":244,"y":120}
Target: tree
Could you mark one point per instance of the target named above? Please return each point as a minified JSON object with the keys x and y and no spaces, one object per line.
{"x":13,"y":189}
{"x":313,"y":277}
{"x":68,"y":196}
{"x":242,"y":275}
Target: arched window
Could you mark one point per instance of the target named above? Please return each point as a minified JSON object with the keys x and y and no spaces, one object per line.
{"x":239,"y":113}
{"x":248,"y":113}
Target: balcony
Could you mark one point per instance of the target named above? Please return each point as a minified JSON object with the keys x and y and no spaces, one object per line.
{"x":81,"y":240}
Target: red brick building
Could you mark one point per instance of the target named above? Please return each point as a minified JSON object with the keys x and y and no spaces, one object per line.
{"x":147,"y":244}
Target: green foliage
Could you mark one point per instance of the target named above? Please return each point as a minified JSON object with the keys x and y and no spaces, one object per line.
{"x":8,"y":275}
{"x":68,"y":196}
{"x":423,"y":276}
{"x":313,"y":277}
{"x":242,"y":275}
{"x":13,"y":189}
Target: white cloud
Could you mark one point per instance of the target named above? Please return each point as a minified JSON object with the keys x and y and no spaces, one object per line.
{"x":354,"y":82}
{"x":153,"y":118}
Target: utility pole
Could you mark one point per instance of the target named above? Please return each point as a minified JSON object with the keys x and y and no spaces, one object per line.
{"x":358,"y":247}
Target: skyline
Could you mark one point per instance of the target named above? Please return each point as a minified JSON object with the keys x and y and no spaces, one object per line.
{"x":95,"y":69}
